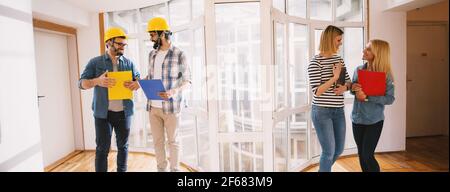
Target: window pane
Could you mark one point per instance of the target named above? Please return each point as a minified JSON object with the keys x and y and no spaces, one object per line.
{"x":353,"y":46}
{"x":238,"y":56}
{"x":280,"y":143}
{"x":132,"y":51}
{"x":241,"y":157}
{"x":180,"y":12}
{"x":297,"y":8}
{"x":298,"y":58}
{"x":140,"y":132}
{"x":280,"y":66}
{"x":321,"y":9}
{"x":349,"y":10}
{"x":279,"y":4}
{"x":317,"y":34}
{"x":124,"y":19}
{"x":349,"y":139}
{"x":147,"y":13}
{"x":198,"y":7}
{"x":187,"y":137}
{"x":203,"y":143}
{"x":298,"y":139}
{"x":198,"y":69}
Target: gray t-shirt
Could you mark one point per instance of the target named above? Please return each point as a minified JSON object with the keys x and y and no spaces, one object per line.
{"x":115,"y":105}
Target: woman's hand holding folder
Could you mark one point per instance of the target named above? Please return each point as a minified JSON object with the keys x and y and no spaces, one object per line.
{"x":359,"y":93}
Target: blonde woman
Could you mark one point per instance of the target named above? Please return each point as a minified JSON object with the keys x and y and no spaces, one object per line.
{"x":327,"y":112}
{"x":368,"y":111}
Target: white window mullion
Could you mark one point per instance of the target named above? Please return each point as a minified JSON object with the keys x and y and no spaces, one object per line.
{"x":267,"y":85}
{"x":333,"y":11}
{"x":211,"y":67}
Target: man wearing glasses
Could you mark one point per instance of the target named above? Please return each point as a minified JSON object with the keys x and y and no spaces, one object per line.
{"x":110,"y":115}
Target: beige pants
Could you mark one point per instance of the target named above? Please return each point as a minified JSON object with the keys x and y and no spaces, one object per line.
{"x":165,"y":123}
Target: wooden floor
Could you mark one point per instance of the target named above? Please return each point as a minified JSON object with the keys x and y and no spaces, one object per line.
{"x":84,"y":162}
{"x":423,"y":154}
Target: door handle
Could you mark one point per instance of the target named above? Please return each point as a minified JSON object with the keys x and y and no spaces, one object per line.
{"x":39,"y":98}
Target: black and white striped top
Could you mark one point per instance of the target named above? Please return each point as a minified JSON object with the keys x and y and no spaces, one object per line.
{"x":320,"y":70}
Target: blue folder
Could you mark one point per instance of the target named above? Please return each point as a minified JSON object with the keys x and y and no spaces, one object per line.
{"x":152,"y":88}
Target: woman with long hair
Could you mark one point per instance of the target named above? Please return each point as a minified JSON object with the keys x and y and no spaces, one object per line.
{"x":327,"y":111}
{"x":368,"y":111}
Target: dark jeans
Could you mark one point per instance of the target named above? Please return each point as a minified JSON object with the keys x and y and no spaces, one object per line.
{"x":103,"y":131}
{"x":366,"y":137}
{"x":330,"y":128}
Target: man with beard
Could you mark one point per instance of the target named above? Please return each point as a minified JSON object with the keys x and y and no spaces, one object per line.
{"x":110,"y":115}
{"x":168,"y":63}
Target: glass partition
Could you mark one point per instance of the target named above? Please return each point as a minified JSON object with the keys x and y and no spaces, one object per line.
{"x":295,"y":37}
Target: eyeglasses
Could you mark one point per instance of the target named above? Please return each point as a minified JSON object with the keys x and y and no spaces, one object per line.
{"x":121,"y":44}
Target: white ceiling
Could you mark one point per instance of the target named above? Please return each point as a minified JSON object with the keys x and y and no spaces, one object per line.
{"x":111,"y":5}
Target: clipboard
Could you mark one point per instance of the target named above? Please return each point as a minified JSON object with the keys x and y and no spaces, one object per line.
{"x":341,"y":80}
{"x":372,"y":83}
{"x":118,"y":91}
{"x":152,"y":88}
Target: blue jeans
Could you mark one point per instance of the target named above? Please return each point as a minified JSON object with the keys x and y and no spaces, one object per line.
{"x":330,"y":128}
{"x":103,"y":131}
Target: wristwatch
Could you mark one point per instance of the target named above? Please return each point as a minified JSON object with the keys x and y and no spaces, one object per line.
{"x":366,"y":99}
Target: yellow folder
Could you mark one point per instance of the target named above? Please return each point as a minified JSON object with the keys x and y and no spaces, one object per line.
{"x":118,"y":91}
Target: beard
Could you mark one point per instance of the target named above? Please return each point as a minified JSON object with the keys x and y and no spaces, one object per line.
{"x":156,"y":43}
{"x":119,"y":52}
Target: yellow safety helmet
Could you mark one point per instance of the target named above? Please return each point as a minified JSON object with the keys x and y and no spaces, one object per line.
{"x":157,"y":24}
{"x":114,"y":32}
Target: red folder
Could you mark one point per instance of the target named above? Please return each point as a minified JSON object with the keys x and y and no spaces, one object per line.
{"x":372,"y":83}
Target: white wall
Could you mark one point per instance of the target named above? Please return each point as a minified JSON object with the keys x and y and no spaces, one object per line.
{"x":393,"y":137}
{"x":86,"y":23}
{"x":88,"y":47}
{"x":20,"y":143}
{"x":60,"y":12}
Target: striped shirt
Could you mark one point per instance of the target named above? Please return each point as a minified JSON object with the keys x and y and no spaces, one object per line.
{"x":320,"y":70}
{"x":175,"y":71}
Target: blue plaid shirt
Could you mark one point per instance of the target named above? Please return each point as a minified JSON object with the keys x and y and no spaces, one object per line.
{"x":175,"y":71}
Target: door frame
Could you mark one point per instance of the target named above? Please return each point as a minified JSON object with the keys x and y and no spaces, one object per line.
{"x":74,"y":73}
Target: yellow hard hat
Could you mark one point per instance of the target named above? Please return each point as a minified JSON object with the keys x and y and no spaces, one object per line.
{"x":157,"y":24}
{"x":114,"y":32}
